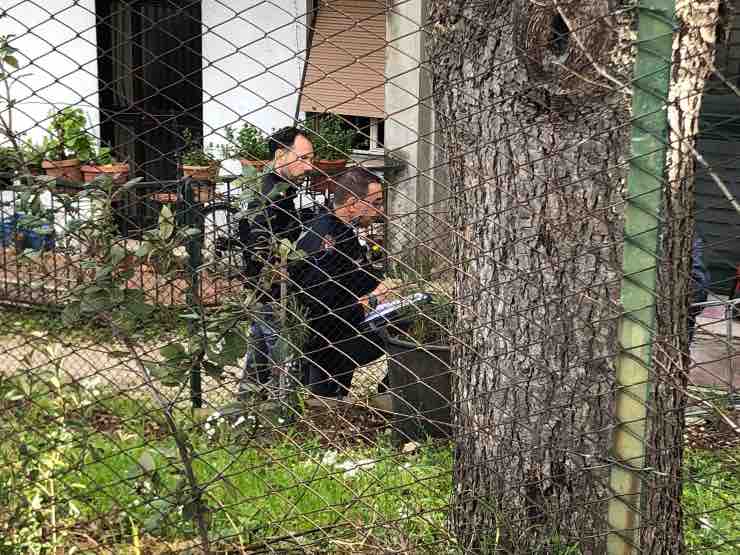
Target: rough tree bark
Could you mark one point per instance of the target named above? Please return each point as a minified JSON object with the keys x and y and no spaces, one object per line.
{"x":533,"y":101}
{"x":694,"y":46}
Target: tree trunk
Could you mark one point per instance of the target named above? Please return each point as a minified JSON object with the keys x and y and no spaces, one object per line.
{"x":535,"y":121}
{"x":694,"y":46}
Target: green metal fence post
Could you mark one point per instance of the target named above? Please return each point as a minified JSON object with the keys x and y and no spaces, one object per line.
{"x":190,"y":216}
{"x":641,"y":243}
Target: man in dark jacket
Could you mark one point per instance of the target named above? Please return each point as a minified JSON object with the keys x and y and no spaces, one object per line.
{"x":273,"y":209}
{"x":273,"y":214}
{"x":331,"y":281}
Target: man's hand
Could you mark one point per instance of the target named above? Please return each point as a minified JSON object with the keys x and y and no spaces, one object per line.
{"x":380,"y":293}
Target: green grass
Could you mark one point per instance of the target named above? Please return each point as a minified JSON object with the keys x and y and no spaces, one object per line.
{"x":275,"y":488}
{"x":17,"y":321}
{"x":282,"y":484}
{"x":711,"y":501}
{"x":282,"y":490}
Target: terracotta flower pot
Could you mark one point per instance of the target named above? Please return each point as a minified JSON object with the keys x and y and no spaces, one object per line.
{"x":201,"y":173}
{"x":258,"y":165}
{"x":330,"y":165}
{"x":322,"y":183}
{"x":119,"y":172}
{"x":68,"y":169}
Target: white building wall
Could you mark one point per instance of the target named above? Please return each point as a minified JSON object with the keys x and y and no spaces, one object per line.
{"x":253,"y":56}
{"x":58,"y":60}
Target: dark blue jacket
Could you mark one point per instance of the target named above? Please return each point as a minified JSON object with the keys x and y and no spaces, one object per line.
{"x":281,"y":213}
{"x":279,"y":217}
{"x":332,"y":276}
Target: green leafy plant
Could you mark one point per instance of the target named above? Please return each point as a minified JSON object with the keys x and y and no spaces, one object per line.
{"x":39,"y":510}
{"x":101,"y":268}
{"x":332,"y":137}
{"x":711,"y":489}
{"x":102,"y":156}
{"x":102,"y":293}
{"x":8,"y":75}
{"x":69,"y":137}
{"x":36,"y":505}
{"x":33,"y":154}
{"x":194,"y":154}
{"x":9,"y":162}
{"x":167,"y":485}
{"x":220,"y":339}
{"x":250,"y":143}
{"x":429,"y":323}
{"x":32,"y":216}
{"x":7,"y":54}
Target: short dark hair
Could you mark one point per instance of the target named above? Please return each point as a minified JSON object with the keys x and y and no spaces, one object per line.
{"x":283,"y":138}
{"x":354,"y":182}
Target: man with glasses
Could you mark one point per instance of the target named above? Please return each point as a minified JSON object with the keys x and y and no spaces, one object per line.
{"x":292,"y":154}
{"x":332,"y":280}
{"x":273,"y":214}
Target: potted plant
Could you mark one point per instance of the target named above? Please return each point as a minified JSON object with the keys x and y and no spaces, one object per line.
{"x":104,"y":164}
{"x":419,"y":374}
{"x":332,"y":140}
{"x":69,"y":143}
{"x":33,"y":155}
{"x":250,"y":146}
{"x":14,"y":163}
{"x":201,"y":166}
{"x":197,"y":162}
{"x":8,"y":166}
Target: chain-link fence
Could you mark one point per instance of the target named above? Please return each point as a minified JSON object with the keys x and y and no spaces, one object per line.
{"x":369,"y":276}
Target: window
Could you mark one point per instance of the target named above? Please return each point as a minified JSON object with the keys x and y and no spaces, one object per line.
{"x":370,"y":132}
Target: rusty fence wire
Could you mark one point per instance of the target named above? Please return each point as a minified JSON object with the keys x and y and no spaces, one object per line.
{"x":369,"y":276}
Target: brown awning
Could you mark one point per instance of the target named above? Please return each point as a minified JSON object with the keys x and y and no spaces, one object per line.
{"x":346,"y":63}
